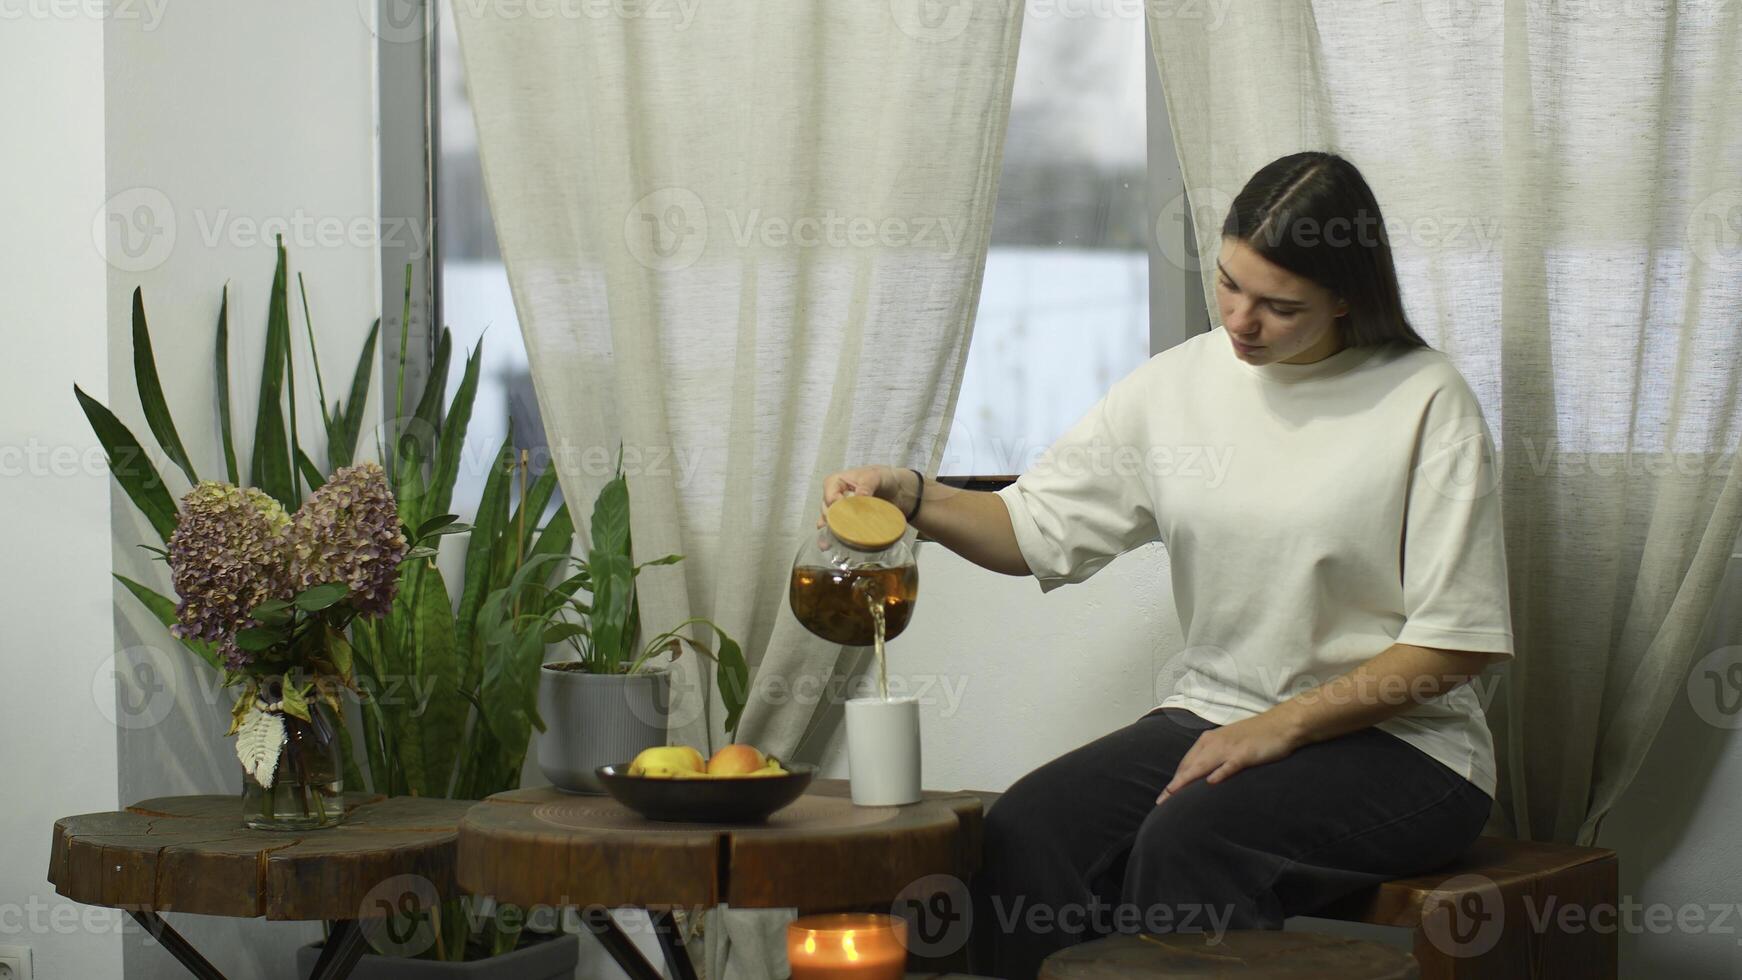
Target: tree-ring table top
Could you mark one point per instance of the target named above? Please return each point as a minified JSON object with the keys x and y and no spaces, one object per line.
{"x":192,"y":854}
{"x":821,"y":853}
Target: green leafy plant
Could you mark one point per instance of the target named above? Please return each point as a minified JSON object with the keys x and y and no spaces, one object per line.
{"x":275,"y":442}
{"x":465,"y":729}
{"x":465,"y":732}
{"x":604,"y":630}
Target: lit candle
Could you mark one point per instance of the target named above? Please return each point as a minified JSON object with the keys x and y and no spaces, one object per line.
{"x":840,"y":946}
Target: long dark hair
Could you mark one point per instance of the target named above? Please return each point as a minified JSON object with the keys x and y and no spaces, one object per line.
{"x":1314,"y":215}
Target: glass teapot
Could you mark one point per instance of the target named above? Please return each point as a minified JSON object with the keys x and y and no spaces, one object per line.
{"x":856,"y":566}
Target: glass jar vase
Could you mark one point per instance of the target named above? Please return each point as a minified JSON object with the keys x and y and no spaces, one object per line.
{"x":306,"y":784}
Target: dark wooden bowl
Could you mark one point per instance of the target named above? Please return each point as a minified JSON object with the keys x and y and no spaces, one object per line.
{"x":744,"y":799}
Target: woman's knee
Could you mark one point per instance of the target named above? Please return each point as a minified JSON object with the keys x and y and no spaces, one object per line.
{"x":1183,"y":833}
{"x":1187,"y":871}
{"x":1033,"y":807}
{"x":1195,"y":869}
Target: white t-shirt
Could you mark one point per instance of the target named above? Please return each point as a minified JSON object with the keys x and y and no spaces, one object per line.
{"x":1314,"y":514}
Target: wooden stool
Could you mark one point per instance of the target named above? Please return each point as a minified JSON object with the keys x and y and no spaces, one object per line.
{"x":1234,"y":955}
{"x":1482,"y":917}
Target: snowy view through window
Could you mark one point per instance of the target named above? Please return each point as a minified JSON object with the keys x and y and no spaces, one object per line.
{"x":1064,"y":310}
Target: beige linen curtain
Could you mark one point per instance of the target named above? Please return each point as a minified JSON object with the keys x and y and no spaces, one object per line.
{"x":745,"y":240}
{"x":1563,"y":188}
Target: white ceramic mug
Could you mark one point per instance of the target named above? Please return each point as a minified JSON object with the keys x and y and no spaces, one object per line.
{"x":883,"y":751}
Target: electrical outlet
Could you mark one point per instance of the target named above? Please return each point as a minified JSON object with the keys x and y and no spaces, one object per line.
{"x":14,"y":963}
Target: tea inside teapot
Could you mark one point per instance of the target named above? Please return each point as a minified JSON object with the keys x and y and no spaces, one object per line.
{"x":855,"y":582}
{"x":840,"y":604}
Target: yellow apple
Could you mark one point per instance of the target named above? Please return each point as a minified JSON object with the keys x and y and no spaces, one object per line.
{"x":667,"y":762}
{"x":737,"y":759}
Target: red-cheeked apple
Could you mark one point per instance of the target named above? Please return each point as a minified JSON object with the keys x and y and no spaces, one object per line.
{"x":744,"y":760}
{"x":736,"y":759}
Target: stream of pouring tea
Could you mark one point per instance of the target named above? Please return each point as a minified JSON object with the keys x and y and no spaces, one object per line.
{"x":872,"y":589}
{"x":876,"y":604}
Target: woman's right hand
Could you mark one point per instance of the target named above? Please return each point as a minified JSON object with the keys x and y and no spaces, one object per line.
{"x":864,"y":481}
{"x":972,"y":523}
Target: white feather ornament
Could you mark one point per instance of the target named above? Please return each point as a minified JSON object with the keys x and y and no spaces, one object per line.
{"x":258,"y":743}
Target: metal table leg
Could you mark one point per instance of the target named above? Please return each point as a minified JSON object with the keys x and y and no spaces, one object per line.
{"x":341,"y":952}
{"x":599,"y":922}
{"x":178,"y":947}
{"x":339,"y":955}
{"x":677,"y":959}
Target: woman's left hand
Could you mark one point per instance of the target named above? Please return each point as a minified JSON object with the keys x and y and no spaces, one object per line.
{"x":1221,"y":752}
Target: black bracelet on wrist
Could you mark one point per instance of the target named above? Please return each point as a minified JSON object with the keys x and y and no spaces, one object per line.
{"x":918,"y":495}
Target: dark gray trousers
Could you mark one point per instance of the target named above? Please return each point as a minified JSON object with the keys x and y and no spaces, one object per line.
{"x":1078,"y":848}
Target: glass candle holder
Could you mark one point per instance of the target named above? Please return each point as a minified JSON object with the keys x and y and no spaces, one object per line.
{"x":847,"y":946}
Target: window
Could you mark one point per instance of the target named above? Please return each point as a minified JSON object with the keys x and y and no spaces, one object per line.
{"x":476,"y":302}
{"x":1064,"y":308}
{"x":1065,"y":305}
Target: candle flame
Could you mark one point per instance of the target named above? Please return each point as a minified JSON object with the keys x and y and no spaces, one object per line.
{"x":847,"y":944}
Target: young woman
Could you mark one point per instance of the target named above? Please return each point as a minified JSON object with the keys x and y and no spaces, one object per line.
{"x":1324,"y":485}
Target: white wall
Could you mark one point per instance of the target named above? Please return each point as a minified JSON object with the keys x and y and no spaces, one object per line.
{"x":229,"y":120}
{"x":57,"y":746}
{"x":1010,"y":679}
{"x":195,"y":121}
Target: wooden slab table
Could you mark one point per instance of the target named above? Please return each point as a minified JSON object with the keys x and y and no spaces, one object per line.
{"x":820,"y":854}
{"x":192,"y":854}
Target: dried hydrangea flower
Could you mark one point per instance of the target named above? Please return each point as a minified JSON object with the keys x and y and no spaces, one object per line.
{"x":348,"y":531}
{"x":226,"y":557}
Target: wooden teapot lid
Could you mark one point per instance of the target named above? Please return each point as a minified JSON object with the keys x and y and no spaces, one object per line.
{"x":866,"y":522}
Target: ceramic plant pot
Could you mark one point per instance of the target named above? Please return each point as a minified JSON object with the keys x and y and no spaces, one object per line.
{"x":593,"y":720}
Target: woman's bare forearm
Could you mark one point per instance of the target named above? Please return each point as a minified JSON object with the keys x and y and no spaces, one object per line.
{"x":972,"y":523}
{"x":1393,"y":681}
